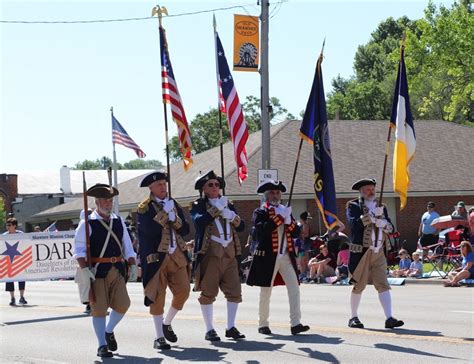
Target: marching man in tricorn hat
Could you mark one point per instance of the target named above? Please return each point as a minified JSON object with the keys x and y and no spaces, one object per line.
{"x":274,"y":261}
{"x":370,"y":226}
{"x":110,"y":247}
{"x":161,"y":227}
{"x":218,"y":253}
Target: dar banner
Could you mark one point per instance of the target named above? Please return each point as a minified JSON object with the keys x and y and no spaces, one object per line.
{"x":246,"y":43}
{"x":37,"y":256}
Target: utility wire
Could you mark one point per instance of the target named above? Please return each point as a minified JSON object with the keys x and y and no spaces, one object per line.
{"x":122,"y":19}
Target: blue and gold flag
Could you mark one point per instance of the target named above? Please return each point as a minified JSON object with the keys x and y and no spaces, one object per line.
{"x":314,"y":129}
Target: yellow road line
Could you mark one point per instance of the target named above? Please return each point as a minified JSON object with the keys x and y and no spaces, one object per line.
{"x":335,"y":330}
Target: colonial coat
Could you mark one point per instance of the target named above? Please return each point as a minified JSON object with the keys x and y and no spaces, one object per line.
{"x":154,"y":237}
{"x":203,"y":215}
{"x":266,"y":224}
{"x":361,"y":229}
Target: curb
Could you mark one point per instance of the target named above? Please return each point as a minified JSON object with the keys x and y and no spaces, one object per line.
{"x":426,"y":281}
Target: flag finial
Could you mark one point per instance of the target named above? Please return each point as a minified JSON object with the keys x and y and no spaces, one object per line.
{"x":159,"y":11}
{"x":214,"y":23}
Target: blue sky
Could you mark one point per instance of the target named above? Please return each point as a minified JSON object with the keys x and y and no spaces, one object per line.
{"x":59,"y":81}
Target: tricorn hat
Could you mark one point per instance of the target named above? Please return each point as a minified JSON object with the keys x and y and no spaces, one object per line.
{"x":203,"y":178}
{"x":152,"y":177}
{"x":363,"y":182}
{"x":270,"y":184}
{"x":101,"y":190}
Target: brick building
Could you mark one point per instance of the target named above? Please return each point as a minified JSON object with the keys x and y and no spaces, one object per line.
{"x":441,"y":172}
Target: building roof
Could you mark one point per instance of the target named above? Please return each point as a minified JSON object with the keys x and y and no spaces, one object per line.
{"x":48,"y":182}
{"x":441,"y":166}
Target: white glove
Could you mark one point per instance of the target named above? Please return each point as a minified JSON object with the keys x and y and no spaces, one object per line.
{"x":381,"y":223}
{"x":373,"y":219}
{"x":172,"y":216}
{"x":221,"y":203}
{"x":228,"y":214}
{"x":288,"y":215}
{"x":87,"y":274}
{"x":378,"y":211}
{"x":280,"y":210}
{"x":168,"y":206}
{"x":132,"y":273}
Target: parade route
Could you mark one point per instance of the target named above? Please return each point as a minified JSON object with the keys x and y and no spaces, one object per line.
{"x":439,"y":328}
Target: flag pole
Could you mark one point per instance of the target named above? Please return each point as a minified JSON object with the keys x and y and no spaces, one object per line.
{"x":221,"y":138}
{"x":159,"y":11}
{"x":320,"y":59}
{"x":114,"y":166}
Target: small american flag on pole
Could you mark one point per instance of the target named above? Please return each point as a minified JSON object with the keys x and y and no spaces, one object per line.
{"x":120,"y":136}
{"x":238,"y":128}
{"x":172,"y":97}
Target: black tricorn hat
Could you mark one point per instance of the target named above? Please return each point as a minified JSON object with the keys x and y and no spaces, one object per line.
{"x":203,"y":178}
{"x":270,"y":184}
{"x":101,"y":190}
{"x":152,"y":177}
{"x":363,"y":182}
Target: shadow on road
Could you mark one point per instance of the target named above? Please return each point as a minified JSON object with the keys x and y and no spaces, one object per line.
{"x":194,"y":354}
{"x":402,"y":332}
{"x":129,"y":359}
{"x":402,"y":349}
{"x":308,"y":339}
{"x":244,"y":345}
{"x":319,"y":355}
{"x":45,"y":319}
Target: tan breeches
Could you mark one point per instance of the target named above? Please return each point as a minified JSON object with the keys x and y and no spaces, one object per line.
{"x":372,"y":269}
{"x":110,"y":291}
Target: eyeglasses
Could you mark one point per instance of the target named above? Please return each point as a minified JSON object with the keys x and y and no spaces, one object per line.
{"x":213,"y":184}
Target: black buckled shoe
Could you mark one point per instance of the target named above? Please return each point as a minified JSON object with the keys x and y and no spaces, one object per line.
{"x":161,"y":344}
{"x":392,"y":323}
{"x":264,"y":330}
{"x":103,"y":352}
{"x":295,"y":330}
{"x":234,"y":333}
{"x":355,"y":323}
{"x":111,"y":342}
{"x":169,"y":333}
{"x":211,"y":335}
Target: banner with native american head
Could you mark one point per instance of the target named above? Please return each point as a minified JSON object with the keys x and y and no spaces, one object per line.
{"x":246,"y":43}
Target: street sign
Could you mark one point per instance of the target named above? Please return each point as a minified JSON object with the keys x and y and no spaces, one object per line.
{"x":267,"y":174}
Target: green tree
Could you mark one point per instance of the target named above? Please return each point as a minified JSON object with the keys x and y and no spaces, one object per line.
{"x":205,"y":131}
{"x":143,"y":164}
{"x":3,"y":213}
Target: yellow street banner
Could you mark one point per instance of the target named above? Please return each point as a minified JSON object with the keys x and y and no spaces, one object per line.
{"x":246,"y":43}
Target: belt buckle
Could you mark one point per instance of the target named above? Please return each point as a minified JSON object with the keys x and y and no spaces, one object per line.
{"x":113,"y":260}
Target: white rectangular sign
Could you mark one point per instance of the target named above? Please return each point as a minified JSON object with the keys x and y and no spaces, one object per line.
{"x":264,"y":174}
{"x":37,"y":256}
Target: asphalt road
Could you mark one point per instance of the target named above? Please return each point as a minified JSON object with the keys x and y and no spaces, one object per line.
{"x":439,"y":328}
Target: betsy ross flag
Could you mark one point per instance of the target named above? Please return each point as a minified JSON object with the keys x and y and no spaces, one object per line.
{"x":314,"y":129}
{"x":405,"y":139}
{"x":14,"y":262}
{"x":120,"y":136}
{"x":229,"y":102}
{"x":172,"y":97}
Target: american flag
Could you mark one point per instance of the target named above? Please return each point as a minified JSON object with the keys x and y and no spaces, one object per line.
{"x":120,"y":136}
{"x":51,"y":228}
{"x":172,"y":97}
{"x":15,"y":262}
{"x":238,"y":128}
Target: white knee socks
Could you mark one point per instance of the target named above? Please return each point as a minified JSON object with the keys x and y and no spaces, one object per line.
{"x":386,"y":301}
{"x":114,"y":319}
{"x":207,"y":314}
{"x":170,"y":315}
{"x":231,"y":313}
{"x":355,"y":301}
{"x":99,"y":328}
{"x":158,"y":320}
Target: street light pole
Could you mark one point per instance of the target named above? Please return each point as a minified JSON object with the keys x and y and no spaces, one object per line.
{"x":264,"y":84}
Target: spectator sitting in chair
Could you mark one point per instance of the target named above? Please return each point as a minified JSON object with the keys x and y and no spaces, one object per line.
{"x":466,"y":271}
{"x":343,"y":261}
{"x":403,"y":265}
{"x":416,"y":267}
{"x":322,"y":265}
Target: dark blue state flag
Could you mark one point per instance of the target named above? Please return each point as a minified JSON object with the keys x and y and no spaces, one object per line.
{"x":314,"y":129}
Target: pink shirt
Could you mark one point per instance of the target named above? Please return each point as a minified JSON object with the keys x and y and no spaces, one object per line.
{"x":343,"y":257}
